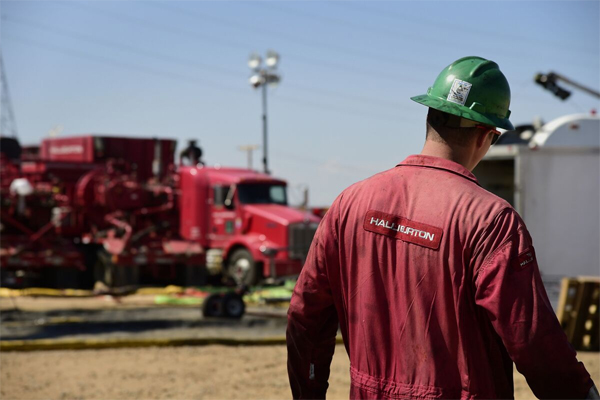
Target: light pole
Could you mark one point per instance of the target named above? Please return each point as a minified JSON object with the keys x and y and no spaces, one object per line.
{"x":261,"y":76}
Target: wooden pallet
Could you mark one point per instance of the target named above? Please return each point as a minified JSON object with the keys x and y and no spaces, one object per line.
{"x":578,"y":306}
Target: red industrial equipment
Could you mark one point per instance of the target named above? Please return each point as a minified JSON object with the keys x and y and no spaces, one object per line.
{"x":118,"y":210}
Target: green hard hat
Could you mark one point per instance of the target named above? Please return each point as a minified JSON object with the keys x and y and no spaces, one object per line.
{"x":472,"y":88}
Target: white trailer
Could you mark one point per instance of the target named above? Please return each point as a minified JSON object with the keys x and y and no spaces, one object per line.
{"x":553,"y":181}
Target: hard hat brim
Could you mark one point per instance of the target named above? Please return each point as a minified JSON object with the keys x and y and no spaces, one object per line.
{"x":462,"y":111}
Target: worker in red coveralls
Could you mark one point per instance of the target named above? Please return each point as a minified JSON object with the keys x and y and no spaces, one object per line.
{"x":432,"y":280}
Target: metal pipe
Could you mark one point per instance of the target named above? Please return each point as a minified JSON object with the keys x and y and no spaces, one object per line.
{"x":11,"y":221}
{"x":165,"y":207}
{"x":46,"y":228}
{"x":576,"y":85}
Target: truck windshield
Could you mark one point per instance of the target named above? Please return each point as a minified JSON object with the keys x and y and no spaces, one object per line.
{"x":262,"y":194}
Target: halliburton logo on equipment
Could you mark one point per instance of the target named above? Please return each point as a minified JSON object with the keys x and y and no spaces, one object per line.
{"x":403,"y":229}
{"x":66,"y":149}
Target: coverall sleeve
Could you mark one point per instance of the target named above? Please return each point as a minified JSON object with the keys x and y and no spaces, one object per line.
{"x":510,"y":289}
{"x":312,"y":319}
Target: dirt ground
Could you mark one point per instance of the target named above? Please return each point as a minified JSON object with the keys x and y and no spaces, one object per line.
{"x":211,"y":372}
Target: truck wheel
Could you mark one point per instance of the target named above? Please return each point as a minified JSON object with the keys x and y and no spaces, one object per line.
{"x":213,"y":306}
{"x":229,"y":305}
{"x":242,"y":268}
{"x":233,"y":305}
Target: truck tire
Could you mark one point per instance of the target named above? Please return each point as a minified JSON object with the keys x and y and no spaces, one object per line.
{"x":233,"y":306}
{"x":242,"y":268}
{"x":228,"y":305}
{"x":213,"y":306}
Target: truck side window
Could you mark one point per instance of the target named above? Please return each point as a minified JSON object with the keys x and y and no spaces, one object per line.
{"x":220,"y":192}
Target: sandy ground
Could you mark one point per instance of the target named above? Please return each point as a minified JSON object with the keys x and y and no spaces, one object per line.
{"x":212,"y":372}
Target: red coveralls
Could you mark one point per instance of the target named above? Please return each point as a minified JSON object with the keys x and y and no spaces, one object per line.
{"x":436,"y":289}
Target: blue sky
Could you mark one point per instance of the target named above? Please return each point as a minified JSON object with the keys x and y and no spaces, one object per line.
{"x":342,"y":111}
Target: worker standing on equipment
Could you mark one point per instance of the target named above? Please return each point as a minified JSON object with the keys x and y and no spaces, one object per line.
{"x":433,"y":280}
{"x":191,"y":155}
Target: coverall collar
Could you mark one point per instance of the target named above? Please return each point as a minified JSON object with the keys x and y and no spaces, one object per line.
{"x":419,"y":160}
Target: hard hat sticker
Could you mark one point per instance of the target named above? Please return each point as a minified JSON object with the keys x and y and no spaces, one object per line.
{"x":459,"y":92}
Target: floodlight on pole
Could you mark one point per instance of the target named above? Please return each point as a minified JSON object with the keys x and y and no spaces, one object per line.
{"x":272,"y":59}
{"x":254,"y":61}
{"x":262,"y":77}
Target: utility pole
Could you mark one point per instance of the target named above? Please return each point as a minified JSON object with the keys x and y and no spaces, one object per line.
{"x":8,"y":125}
{"x":249,"y":149}
{"x":260,"y":78}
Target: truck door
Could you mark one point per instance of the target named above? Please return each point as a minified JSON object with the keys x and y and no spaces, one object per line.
{"x":222,"y":218}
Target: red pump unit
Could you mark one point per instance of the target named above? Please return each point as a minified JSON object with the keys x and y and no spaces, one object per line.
{"x":119,"y":210}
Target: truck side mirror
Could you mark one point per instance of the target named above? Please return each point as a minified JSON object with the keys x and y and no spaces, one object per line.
{"x":229,"y":199}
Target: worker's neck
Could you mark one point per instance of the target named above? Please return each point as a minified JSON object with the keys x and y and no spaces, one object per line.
{"x":461,"y":155}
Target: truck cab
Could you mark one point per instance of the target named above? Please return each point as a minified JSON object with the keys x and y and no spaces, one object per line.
{"x":244,"y":223}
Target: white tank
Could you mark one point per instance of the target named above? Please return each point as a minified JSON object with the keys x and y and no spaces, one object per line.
{"x":577,"y":130}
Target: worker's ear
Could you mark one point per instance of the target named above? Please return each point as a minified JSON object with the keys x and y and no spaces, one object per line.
{"x":482,"y":137}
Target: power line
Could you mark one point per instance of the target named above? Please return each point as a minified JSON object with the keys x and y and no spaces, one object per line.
{"x":161,"y":27}
{"x":213,"y":68}
{"x":120,"y":64}
{"x":301,"y":59}
{"x":336,"y":94}
{"x":271,"y":33}
{"x":377,"y":30}
{"x":390,"y":14}
{"x":123,"y":46}
{"x":355,"y":112}
{"x":181,"y":77}
{"x":190,"y":63}
{"x":298,"y":58}
{"x":373,"y":75}
{"x":319,"y":162}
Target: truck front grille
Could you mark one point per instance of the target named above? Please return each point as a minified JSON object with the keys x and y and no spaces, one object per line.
{"x":300,"y":238}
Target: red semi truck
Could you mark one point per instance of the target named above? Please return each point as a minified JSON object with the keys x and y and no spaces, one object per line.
{"x":119,"y":210}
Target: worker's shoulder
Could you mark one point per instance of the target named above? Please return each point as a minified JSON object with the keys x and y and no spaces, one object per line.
{"x":487,"y":210}
{"x":453,"y":186}
{"x":484,"y":194}
{"x":381,"y":179}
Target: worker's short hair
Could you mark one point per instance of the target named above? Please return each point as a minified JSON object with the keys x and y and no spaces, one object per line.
{"x":446,"y":128}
